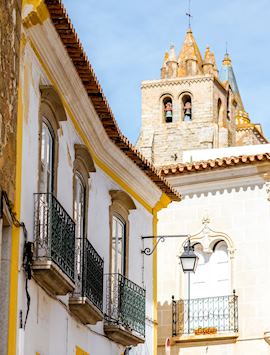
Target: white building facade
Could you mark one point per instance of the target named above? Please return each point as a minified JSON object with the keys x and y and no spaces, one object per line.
{"x":86,"y":197}
{"x":225,"y":211}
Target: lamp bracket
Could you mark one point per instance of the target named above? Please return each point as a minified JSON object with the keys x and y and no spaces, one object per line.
{"x":160,"y":238}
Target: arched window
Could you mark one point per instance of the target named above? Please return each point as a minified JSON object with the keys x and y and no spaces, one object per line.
{"x":220,"y":113}
{"x":211,"y":278}
{"x":187,"y":107}
{"x":122,"y":203}
{"x":168,"y":109}
{"x":220,"y":269}
{"x":51,"y":113}
{"x":82,"y":167}
{"x":46,"y":178}
{"x":118,"y":245}
{"x":79,"y":204}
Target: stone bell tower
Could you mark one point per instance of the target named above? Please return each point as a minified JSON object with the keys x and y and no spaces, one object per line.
{"x":190,"y":107}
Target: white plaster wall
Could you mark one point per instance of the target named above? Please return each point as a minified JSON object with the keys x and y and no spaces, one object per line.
{"x":51,"y":329}
{"x":197,"y":155}
{"x":244,"y":214}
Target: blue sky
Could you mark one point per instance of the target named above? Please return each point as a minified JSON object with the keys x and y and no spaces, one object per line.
{"x":126,"y":40}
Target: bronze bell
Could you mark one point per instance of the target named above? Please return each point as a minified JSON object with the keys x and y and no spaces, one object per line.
{"x":168,"y":114}
{"x":187,"y":110}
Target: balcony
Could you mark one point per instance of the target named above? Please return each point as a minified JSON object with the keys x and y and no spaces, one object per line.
{"x":87,"y":300}
{"x":54,"y":240}
{"x":125,"y":311}
{"x":205,"y":319}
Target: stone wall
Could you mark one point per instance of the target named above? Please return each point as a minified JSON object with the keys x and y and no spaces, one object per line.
{"x":10,"y":22}
{"x":163,"y":143}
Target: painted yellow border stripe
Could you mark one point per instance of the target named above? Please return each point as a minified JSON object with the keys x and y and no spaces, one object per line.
{"x":163,"y":203}
{"x":15,"y":241}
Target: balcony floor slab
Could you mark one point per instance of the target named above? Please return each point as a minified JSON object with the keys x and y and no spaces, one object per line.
{"x":52,"y":278}
{"x":185,"y":341}
{"x":85,"y":310}
{"x":121,"y":335}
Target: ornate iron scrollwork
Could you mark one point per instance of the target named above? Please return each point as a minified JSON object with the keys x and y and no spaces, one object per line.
{"x":125,"y":304}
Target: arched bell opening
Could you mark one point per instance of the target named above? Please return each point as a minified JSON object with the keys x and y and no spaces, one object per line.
{"x":168,"y":109}
{"x":187,"y":108}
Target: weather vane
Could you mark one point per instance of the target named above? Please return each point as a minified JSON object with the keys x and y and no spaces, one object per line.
{"x":189,"y":14}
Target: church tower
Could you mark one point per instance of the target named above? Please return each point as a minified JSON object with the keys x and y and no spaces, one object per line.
{"x":192,"y":106}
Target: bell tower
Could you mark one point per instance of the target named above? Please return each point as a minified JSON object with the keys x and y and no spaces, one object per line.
{"x":190,"y":107}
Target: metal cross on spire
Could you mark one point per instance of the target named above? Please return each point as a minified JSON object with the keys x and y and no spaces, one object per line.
{"x":189,"y":14}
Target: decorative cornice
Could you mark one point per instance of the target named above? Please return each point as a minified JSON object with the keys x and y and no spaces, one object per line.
{"x":174,"y":82}
{"x":64,"y":31}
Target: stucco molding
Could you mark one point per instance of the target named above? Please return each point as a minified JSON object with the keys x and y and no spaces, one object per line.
{"x":174,"y":82}
{"x":207,"y":237}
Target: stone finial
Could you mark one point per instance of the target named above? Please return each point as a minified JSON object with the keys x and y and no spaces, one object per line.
{"x":170,"y":65}
{"x":209,"y":63}
{"x":227,"y":60}
{"x":190,"y":59}
{"x":164,"y":66}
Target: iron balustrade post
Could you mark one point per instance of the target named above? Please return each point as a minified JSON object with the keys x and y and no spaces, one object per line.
{"x":189,"y":303}
{"x":173,"y":317}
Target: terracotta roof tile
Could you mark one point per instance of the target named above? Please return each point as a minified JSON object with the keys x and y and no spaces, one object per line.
{"x":85,"y":71}
{"x":213,"y":164}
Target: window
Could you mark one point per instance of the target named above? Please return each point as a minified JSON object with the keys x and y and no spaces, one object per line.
{"x":46,"y":183}
{"x":167,"y":109}
{"x":83,"y":166}
{"x":212,"y":275}
{"x":51,"y":113}
{"x":79,"y":205}
{"x":187,"y":108}
{"x":118,"y":245}
{"x":121,"y":205}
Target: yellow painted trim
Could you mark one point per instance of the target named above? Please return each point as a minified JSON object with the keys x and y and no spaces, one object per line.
{"x":38,"y":14}
{"x":99,"y":162}
{"x":15,"y":235}
{"x":162,"y":203}
{"x":80,"y":351}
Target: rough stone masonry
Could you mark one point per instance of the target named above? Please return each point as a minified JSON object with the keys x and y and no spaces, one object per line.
{"x":10,"y":22}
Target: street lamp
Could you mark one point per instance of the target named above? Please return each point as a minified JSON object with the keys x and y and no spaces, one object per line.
{"x":189,"y":260}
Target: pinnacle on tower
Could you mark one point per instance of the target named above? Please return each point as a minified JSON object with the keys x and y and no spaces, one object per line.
{"x":164,"y":66}
{"x":170,"y":65}
{"x":190,"y":60}
{"x":209,"y":63}
{"x":227,"y":76}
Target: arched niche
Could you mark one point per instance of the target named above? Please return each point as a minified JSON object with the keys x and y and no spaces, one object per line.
{"x":167,"y":108}
{"x":186,"y":106}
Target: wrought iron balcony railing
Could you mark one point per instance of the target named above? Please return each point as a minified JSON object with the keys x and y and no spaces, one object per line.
{"x":89,"y":273}
{"x":54,"y":233}
{"x":125,"y":304}
{"x":205,"y":315}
